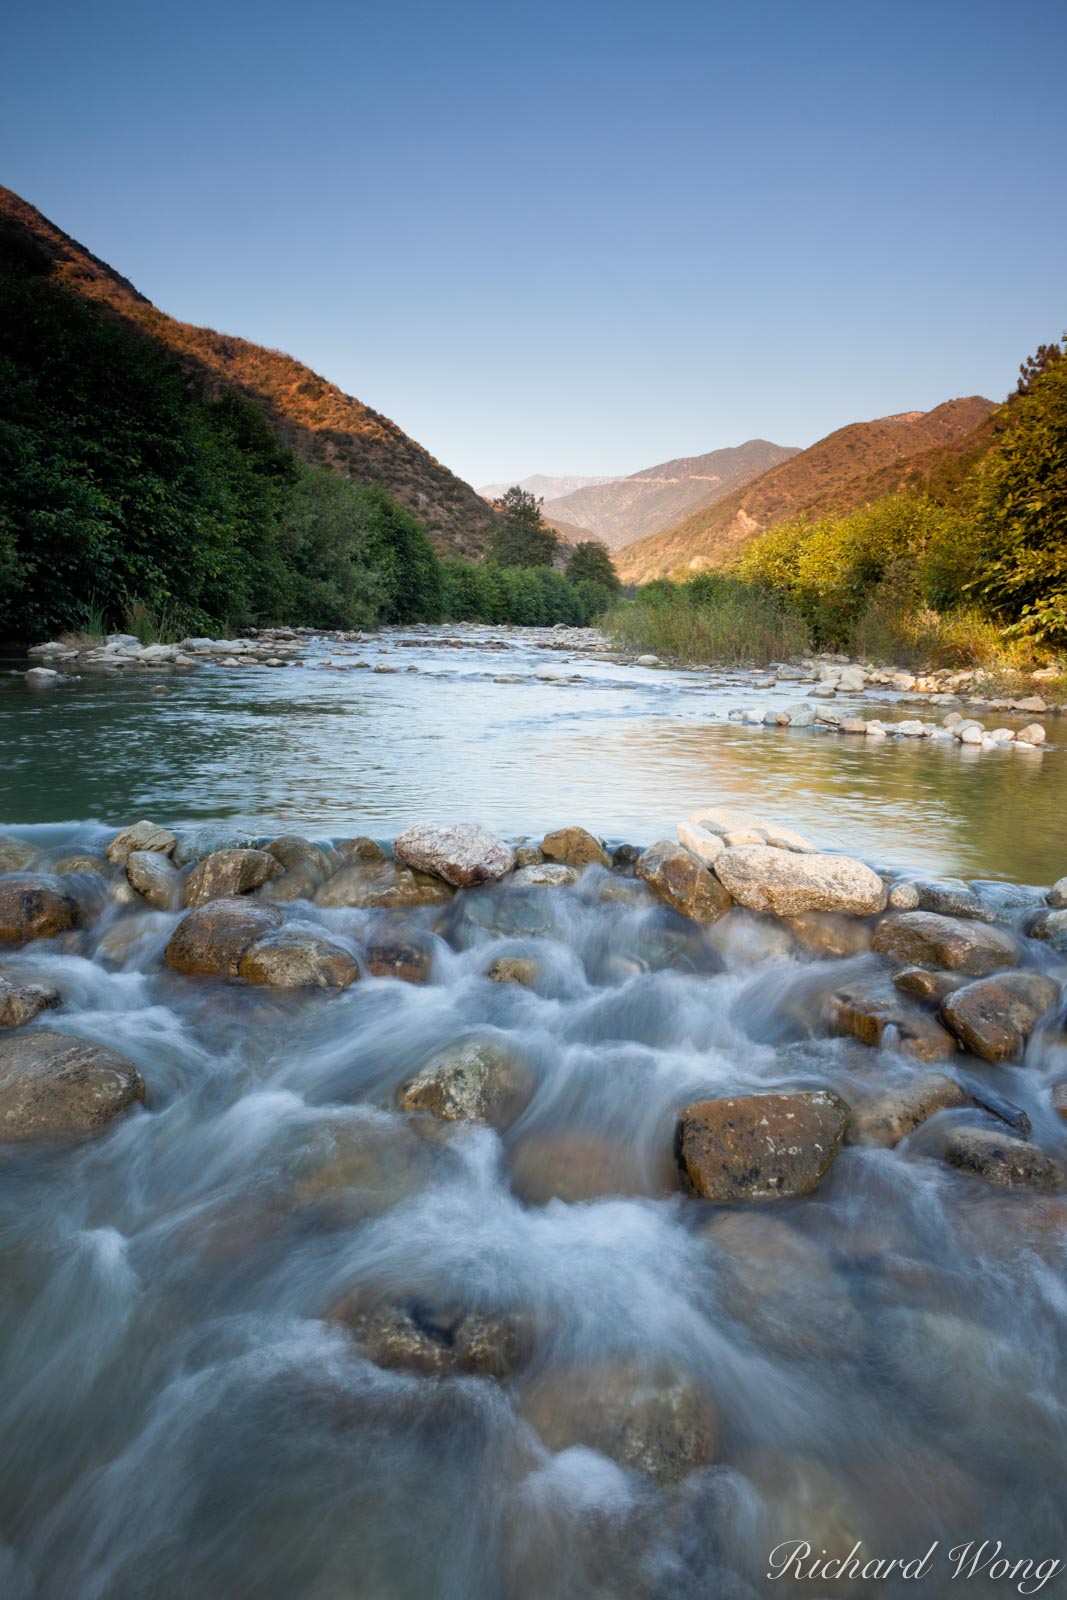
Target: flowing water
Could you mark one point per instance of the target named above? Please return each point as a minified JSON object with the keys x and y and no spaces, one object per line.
{"x":182,"y":1415}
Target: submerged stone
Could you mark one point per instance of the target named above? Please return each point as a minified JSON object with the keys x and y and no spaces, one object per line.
{"x":471,"y":1083}
{"x":382,"y":885}
{"x":54,"y":1086}
{"x":1002,"y":1160}
{"x":887,"y":1115}
{"x":879,"y":1016}
{"x":295,"y":960}
{"x":34,"y":906}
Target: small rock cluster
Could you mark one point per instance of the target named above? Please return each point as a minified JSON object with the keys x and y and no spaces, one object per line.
{"x":120,"y":652}
{"x":954,"y":728}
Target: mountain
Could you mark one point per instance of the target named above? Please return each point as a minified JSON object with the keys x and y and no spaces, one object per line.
{"x":648,"y":501}
{"x":855,"y":464}
{"x":308,"y":415}
{"x":545,"y":489}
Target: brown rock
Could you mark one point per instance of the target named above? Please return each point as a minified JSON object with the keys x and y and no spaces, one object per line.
{"x":16,"y":855}
{"x":924,"y":984}
{"x":53,"y":1086}
{"x":155,"y":877}
{"x":20,"y":1003}
{"x":463,"y":853}
{"x":789,"y":882}
{"x":471,"y":1083}
{"x":577,"y":1166}
{"x":408,"y":957}
{"x":294,"y":960}
{"x":1009,"y":1163}
{"x":33,"y":906}
{"x":760,"y":1146}
{"x":142,"y":836}
{"x":827,"y":933}
{"x":783,"y":1285}
{"x":77,"y":865}
{"x":683,"y":882}
{"x":211,"y":941}
{"x":382,"y":885}
{"x":434,"y":1341}
{"x":361,"y":849}
{"x":883,"y":1019}
{"x":226,"y":873}
{"x":575,"y":847}
{"x":528,"y":855}
{"x":885,"y":1117}
{"x":1059,"y":1098}
{"x":926,"y":939}
{"x":514,"y":969}
{"x":653,"y":1420}
{"x":995,"y":1016}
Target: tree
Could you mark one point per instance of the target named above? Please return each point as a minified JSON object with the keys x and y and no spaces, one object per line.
{"x":591,"y":561}
{"x":522,"y":538}
{"x":1032,"y":368}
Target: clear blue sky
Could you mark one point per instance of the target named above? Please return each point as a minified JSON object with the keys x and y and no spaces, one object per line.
{"x":572,"y":237}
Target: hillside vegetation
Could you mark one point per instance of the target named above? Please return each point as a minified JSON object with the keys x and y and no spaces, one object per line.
{"x":848,"y":468}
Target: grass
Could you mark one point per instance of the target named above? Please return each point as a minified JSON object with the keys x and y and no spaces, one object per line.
{"x":738,"y":625}
{"x":153,"y":627}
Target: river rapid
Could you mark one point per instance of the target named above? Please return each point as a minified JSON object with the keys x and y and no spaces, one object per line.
{"x":579,"y":1382}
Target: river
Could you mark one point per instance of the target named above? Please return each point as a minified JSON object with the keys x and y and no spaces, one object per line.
{"x":185,"y":1414}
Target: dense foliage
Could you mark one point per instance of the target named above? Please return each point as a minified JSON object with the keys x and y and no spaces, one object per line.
{"x":522,"y":538}
{"x":123,"y":493}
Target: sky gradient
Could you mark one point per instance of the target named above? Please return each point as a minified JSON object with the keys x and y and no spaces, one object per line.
{"x":572,"y":238}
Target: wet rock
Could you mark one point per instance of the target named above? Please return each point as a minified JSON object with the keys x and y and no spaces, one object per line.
{"x":142,"y":836}
{"x":514,"y":969}
{"x":925,"y":984}
{"x":1012,"y":1116}
{"x":827,"y":933}
{"x":210,"y":941}
{"x":361,"y":849}
{"x":888,"y":1115}
{"x":624,"y":856}
{"x":546,"y":875}
{"x":53,"y":1086}
{"x":1059,"y":1099}
{"x":788,"y":882}
{"x":407,"y":956}
{"x":575,"y":847}
{"x":305,"y":865}
{"x":295,"y":960}
{"x":797,"y":1492}
{"x":1056,"y":897}
{"x":470,"y":1083}
{"x":903,"y":897}
{"x":34,"y":906}
{"x":464,"y":854}
{"x":75,"y":865}
{"x":994,"y":1017}
{"x":926,"y":939}
{"x":881,"y":1017}
{"x":433,"y":1341}
{"x":576,"y":1166}
{"x":951,"y":897}
{"x":365,"y":1166}
{"x":783,"y":1285}
{"x":16,"y":855}
{"x":155,"y":877}
{"x":384,"y":885}
{"x":760,"y":1146}
{"x":226,"y":873}
{"x":701,"y":842}
{"x":20,"y":1003}
{"x":1000,"y":1159}
{"x":509,"y":913}
{"x":528,"y":855}
{"x":653,"y":1420}
{"x":683,"y":882}
{"x":1051,"y":927}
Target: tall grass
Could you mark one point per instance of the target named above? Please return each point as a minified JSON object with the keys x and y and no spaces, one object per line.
{"x":719,"y":621}
{"x":152,"y":626}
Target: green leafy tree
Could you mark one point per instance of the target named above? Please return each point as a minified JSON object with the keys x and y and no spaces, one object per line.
{"x":590,"y":561}
{"x":522,"y":538}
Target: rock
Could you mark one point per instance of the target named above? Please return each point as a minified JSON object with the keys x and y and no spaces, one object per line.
{"x":142,"y":836}
{"x":226,"y":873}
{"x":295,"y":960}
{"x":994,"y":1017}
{"x":999,"y":1159}
{"x":33,"y":906}
{"x":760,"y":1146}
{"x":155,"y":877}
{"x":43,"y":677}
{"x":407,"y":956}
{"x":76,"y":865}
{"x":20,"y":1003}
{"x":1056,"y":897}
{"x":210,"y":941}
{"x":648,"y":661}
{"x":951,"y":897}
{"x":464,"y":854}
{"x":576,"y":1166}
{"x":788,"y":882}
{"x":826,"y":933}
{"x":888,"y":1115}
{"x":926,"y":939}
{"x":292,"y":851}
{"x":683,"y":882}
{"x":361,"y":848}
{"x":1059,"y":1099}
{"x":575,"y":847}
{"x":470,"y":1083}
{"x":1051,"y":927}
{"x":528,"y":855}
{"x":547,"y":875}
{"x":514,"y":969}
{"x":881,"y":1018}
{"x":53,"y":1086}
{"x":800,"y":716}
{"x":383,"y":885}
{"x":927,"y":985}
{"x":1032,"y":702}
{"x":700,"y":842}
{"x":903,"y":897}
{"x":653,"y":1420}
{"x":624,"y":856}
{"x":16,"y":855}
{"x":782,"y":1285}
{"x":432,"y":1341}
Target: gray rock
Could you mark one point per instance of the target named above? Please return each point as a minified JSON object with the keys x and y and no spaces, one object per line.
{"x":951,"y":897}
{"x":471,"y":1083}
{"x":464,"y":854}
{"x":788,"y":883}
{"x":546,"y":875}
{"x":141,"y":836}
{"x":155,"y":877}
{"x":226,"y":873}
{"x":16,"y":855}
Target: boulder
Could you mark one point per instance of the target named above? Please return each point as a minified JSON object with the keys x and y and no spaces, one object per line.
{"x":434,"y":1341}
{"x":999,"y":1159}
{"x":514,"y":969}
{"x":16,"y":855}
{"x":888,"y":1115}
{"x":700,"y":842}
{"x":226,"y":873}
{"x":546,"y":875}
{"x":142,"y":836}
{"x":994,"y":1017}
{"x":211,"y":941}
{"x":20,"y":1003}
{"x":382,"y":885}
{"x":926,"y":939}
{"x":464,"y":854}
{"x":291,"y":959}
{"x":1056,"y":897}
{"x":828,"y":933}
{"x":951,"y":897}
{"x":760,"y":1146}
{"x":903,"y":897}
{"x":33,"y":906}
{"x":470,"y":1083}
{"x":361,"y":848}
{"x":683,"y":882}
{"x":789,"y":882}
{"x":649,"y":1419}
{"x":394,"y":954}
{"x":575,"y":847}
{"x":54,"y":1086}
{"x":1051,"y":927}
{"x":881,"y":1017}
{"x":925,"y":984}
{"x":528,"y":855}
{"x":155,"y":877}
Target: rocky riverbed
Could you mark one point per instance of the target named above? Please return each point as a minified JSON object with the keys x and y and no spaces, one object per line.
{"x":466,"y":1214}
